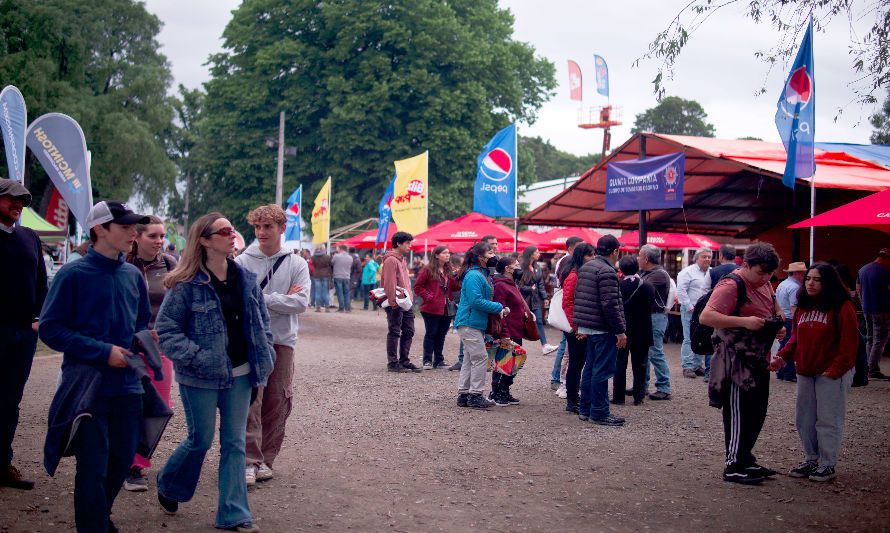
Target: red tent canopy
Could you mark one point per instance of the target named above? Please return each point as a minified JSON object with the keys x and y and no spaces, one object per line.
{"x":463,"y":232}
{"x":669,"y":240}
{"x":366,"y":239}
{"x":869,"y":212}
{"x":554,"y":240}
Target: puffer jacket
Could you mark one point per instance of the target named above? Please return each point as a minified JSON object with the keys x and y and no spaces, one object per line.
{"x":568,"y":296}
{"x":192,"y":330}
{"x":475,"y":300}
{"x":598,"y":303}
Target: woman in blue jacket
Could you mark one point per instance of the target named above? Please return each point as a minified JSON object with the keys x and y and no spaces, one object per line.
{"x":214,"y":326}
{"x":471,"y":321}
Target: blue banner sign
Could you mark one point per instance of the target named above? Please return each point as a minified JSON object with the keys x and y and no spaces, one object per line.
{"x":652,"y":183}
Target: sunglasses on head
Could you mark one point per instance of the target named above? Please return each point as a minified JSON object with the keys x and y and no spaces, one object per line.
{"x":222,"y":232}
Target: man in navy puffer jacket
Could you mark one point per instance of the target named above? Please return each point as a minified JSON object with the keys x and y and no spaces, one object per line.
{"x":599,"y":314}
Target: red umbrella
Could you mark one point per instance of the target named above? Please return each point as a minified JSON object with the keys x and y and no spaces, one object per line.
{"x":466,"y":231}
{"x":669,"y":240}
{"x":554,"y":240}
{"x":869,"y":212}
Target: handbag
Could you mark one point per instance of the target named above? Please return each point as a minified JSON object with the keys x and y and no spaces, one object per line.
{"x":529,"y":324}
{"x":450,"y":305}
{"x":556,"y":315}
{"x":495,"y":327}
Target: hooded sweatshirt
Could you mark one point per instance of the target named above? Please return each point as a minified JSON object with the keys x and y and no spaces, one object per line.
{"x":283,"y":308}
{"x":394,"y":273}
{"x":823,"y":341}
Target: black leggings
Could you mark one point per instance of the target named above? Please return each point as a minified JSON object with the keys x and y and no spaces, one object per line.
{"x":577,"y":357}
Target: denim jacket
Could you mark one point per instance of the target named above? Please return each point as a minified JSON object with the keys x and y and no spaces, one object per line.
{"x":192,"y":330}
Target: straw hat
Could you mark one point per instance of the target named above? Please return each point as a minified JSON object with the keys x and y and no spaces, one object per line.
{"x":799,"y":266}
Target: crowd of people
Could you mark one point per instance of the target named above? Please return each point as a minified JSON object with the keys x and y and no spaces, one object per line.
{"x":130,"y":318}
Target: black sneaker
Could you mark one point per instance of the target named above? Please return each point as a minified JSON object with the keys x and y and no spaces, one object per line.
{"x":442,"y":364}
{"x":393,"y":368}
{"x":112,"y":528}
{"x":572,"y":406}
{"x":411,"y":367}
{"x":804,"y":469}
{"x":476,"y":401}
{"x":877,"y":374}
{"x":583,"y":417}
{"x":510,"y":399}
{"x":761,"y":470}
{"x":455,"y":366}
{"x":734,"y":474}
{"x":167,"y":505}
{"x":823,"y":473}
{"x":135,"y":482}
{"x":499,"y":399}
{"x":462,"y":399}
{"x":610,"y":420}
{"x":659,"y":395}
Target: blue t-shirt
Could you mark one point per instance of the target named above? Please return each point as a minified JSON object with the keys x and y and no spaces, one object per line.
{"x":874,"y":279}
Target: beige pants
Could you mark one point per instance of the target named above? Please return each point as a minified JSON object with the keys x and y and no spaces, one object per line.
{"x":268,"y":413}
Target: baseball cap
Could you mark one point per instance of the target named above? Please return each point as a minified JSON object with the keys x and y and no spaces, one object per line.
{"x":15,"y":189}
{"x":110,"y":211}
{"x":607,"y":244}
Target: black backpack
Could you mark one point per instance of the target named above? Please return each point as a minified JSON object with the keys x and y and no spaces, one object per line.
{"x":699,"y":334}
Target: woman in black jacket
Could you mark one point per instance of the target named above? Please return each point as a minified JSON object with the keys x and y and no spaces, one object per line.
{"x":637,"y":297}
{"x":531,"y":285}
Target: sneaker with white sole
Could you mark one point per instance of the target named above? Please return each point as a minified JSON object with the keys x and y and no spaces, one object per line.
{"x":823,"y":473}
{"x":804,"y":469}
{"x":548,"y":349}
{"x":561,"y":392}
{"x":250,"y":475}
{"x":264,"y":472}
{"x":135,"y":482}
{"x":427,"y":366}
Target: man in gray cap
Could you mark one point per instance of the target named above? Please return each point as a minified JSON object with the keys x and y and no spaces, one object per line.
{"x":23,"y":286}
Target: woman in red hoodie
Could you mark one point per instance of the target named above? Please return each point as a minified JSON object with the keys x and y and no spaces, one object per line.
{"x":507,"y":293}
{"x":435,"y":283}
{"x":823,"y":344}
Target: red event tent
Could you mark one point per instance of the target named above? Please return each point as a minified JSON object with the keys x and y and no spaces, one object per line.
{"x":365,"y":240}
{"x":669,"y":240}
{"x":554,"y":240}
{"x":463,"y":232}
{"x":870,"y":212}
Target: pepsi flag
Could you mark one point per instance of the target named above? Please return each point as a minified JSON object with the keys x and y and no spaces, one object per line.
{"x":494,"y":193}
{"x":652,"y":183}
{"x":385,"y":212}
{"x":602,"y":75}
{"x":58,"y":143}
{"x":795,"y":114}
{"x":292,"y":231}
{"x":13,"y":121}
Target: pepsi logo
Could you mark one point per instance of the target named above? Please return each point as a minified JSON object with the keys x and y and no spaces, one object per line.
{"x":294,"y":209}
{"x":497,"y":165}
{"x":798,"y":90}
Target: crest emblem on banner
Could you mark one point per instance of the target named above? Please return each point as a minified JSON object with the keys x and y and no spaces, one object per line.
{"x":671,"y":176}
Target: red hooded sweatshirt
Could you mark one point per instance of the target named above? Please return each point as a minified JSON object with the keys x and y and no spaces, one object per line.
{"x":823,"y":341}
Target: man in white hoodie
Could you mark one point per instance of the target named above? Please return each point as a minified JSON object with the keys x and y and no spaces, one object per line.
{"x":284,"y":279}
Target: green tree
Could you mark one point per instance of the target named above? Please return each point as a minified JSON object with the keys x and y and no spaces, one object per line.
{"x":550,"y":162}
{"x":184,"y":149}
{"x":881,"y":122}
{"x":868,"y":50}
{"x":363,"y":84}
{"x":97,"y":62}
{"x":675,"y":116}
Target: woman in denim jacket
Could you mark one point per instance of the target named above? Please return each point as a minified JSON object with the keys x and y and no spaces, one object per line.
{"x":215,"y":328}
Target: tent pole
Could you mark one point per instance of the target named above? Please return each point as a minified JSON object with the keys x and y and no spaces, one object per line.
{"x":795,"y":233}
{"x":812,"y":214}
{"x":515,"y":234}
{"x":642,"y":155}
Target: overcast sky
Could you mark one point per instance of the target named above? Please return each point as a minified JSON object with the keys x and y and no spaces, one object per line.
{"x":718,"y":68}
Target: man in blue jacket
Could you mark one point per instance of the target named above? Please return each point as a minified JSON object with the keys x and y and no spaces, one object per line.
{"x":94,"y":308}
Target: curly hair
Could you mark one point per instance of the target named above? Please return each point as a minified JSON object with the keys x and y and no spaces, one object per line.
{"x":271,"y":212}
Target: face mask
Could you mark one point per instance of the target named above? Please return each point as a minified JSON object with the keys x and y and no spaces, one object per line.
{"x":517,"y":276}
{"x":492,"y":262}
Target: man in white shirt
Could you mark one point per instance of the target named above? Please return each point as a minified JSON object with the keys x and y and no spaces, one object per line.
{"x":692,"y":283}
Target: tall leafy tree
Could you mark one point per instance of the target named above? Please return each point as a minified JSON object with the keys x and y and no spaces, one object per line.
{"x":676,"y":116}
{"x":98,"y":62}
{"x":363,"y":83}
{"x":881,"y":122}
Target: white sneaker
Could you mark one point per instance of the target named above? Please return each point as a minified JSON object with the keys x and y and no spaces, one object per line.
{"x":250,"y":475}
{"x":561,"y":391}
{"x":427,"y":366}
{"x":549,"y":349}
{"x":264,"y":472}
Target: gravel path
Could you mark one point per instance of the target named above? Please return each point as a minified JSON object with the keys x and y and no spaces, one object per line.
{"x":368,"y":450}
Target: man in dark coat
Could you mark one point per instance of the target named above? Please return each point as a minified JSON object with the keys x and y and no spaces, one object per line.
{"x":599,"y":314}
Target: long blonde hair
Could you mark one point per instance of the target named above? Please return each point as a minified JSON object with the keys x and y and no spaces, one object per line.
{"x":193,"y":255}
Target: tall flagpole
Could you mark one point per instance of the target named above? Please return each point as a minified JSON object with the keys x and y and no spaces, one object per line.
{"x":516,"y":193}
{"x":812,"y":214}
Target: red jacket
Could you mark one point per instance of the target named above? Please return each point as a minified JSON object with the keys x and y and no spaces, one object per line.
{"x":431,"y":290}
{"x":394,"y":273}
{"x":507,"y":294}
{"x":568,"y":296}
{"x":823,"y":342}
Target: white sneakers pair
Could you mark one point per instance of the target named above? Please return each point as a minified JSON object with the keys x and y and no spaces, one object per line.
{"x":548,"y":349}
{"x":561,"y":391}
{"x":253,"y":474}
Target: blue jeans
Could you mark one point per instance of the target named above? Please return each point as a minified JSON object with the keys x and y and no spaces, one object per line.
{"x":599,"y":366}
{"x":344,"y":302}
{"x":104,"y":447}
{"x":366,"y":287}
{"x":179,"y":477}
{"x":789,"y":371}
{"x":17,"y":347}
{"x":539,"y":320}
{"x":691,"y":360}
{"x":557,"y":363}
{"x":656,"y":354}
{"x":320,"y":295}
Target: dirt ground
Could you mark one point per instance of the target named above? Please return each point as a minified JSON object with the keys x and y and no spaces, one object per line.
{"x":368,"y":450}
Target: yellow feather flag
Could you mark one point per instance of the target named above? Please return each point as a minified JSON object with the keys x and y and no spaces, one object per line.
{"x":411,"y":194}
{"x":321,"y":214}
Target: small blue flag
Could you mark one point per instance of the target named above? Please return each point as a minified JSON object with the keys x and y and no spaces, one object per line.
{"x":292,"y":231}
{"x":602,"y":75}
{"x":384,"y":212}
{"x":494,"y":193}
{"x":795,"y":116}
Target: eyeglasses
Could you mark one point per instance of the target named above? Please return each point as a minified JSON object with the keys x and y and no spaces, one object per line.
{"x":222,"y":232}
